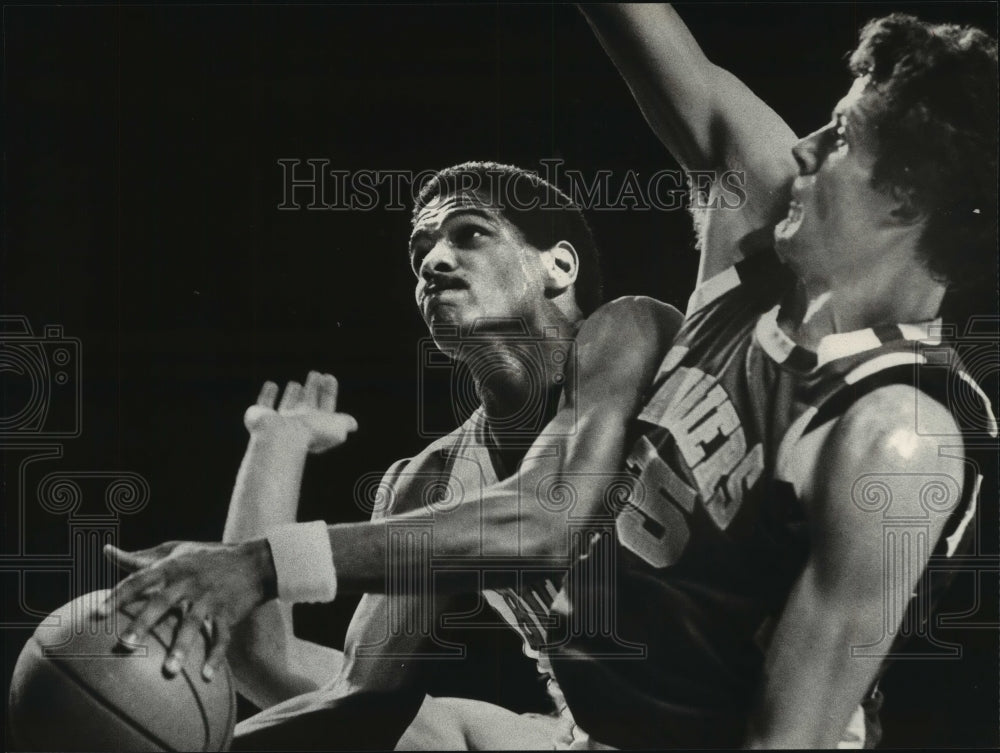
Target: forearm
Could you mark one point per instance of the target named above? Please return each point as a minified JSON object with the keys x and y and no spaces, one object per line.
{"x":668,"y":74}
{"x":373,"y":699}
{"x":522,"y":518}
{"x":263,"y":681}
{"x":359,"y":721}
{"x":264,"y":654}
{"x":364,"y":554}
{"x":812,"y":681}
{"x":267,"y":486}
{"x":707,"y":118}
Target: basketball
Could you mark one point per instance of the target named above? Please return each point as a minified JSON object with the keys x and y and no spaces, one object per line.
{"x":74,"y":688}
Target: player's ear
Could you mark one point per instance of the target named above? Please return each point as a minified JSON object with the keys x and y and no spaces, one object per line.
{"x":562,"y":265}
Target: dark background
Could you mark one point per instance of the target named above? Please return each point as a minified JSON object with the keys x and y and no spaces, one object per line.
{"x":140,"y":192}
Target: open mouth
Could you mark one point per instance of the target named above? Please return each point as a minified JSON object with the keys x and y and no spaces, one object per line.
{"x":791,"y":222}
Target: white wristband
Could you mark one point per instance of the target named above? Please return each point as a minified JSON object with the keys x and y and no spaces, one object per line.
{"x":303,"y":561}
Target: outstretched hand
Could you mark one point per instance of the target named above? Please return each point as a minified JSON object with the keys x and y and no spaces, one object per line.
{"x":309,"y":411}
{"x":213,"y":586}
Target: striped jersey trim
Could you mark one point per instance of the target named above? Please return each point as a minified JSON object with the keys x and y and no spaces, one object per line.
{"x":880,"y":363}
{"x":784,"y":350}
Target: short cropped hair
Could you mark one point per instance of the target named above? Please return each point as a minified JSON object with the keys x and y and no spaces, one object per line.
{"x":935,"y":118}
{"x":540,"y":211}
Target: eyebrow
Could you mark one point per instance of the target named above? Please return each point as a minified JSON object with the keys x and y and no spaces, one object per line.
{"x":458,"y":212}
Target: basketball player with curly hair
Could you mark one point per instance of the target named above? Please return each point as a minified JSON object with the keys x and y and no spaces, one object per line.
{"x":765,"y":594}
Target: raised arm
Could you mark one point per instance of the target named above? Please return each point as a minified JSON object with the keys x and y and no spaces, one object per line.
{"x":705,"y":116}
{"x":269,"y":663}
{"x":312,"y":693}
{"x":851,"y":598}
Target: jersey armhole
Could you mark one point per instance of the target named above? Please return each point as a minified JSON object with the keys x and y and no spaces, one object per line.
{"x":387,"y":482}
{"x":712,"y":289}
{"x":759,"y":267}
{"x":800,"y":449}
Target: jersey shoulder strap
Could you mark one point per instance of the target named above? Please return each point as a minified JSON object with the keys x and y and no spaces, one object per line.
{"x":762,"y":271}
{"x":934,"y":370}
{"x":451,"y":469}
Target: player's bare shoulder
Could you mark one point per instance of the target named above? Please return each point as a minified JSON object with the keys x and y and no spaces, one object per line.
{"x":883,"y":427}
{"x":879,"y":439}
{"x":629,"y":323}
{"x":620,"y":345}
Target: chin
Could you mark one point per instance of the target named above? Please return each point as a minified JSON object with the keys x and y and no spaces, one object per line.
{"x":448,"y":326}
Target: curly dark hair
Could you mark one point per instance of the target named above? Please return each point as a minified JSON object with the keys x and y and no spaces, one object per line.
{"x":936,"y":125}
{"x":540,"y":211}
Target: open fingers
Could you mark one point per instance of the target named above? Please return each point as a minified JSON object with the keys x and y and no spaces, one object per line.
{"x":154,"y":609}
{"x":130,"y":590}
{"x":220,"y":644}
{"x":292,"y":396}
{"x":132,"y":561}
{"x":188,"y":631}
{"x":328,"y":393}
{"x":310,"y":394}
{"x":268,"y":394}
{"x":128,"y":561}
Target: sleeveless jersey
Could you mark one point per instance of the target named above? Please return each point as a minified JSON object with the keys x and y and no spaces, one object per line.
{"x":671,"y":608}
{"x":526,"y":607}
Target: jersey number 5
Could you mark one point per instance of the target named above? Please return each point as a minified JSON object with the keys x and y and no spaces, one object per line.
{"x":654,"y":524}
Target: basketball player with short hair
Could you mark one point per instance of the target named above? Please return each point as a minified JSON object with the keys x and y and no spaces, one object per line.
{"x":508,"y":283}
{"x":758,"y":570}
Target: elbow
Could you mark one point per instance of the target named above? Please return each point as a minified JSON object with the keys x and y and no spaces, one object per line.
{"x":249,"y":676}
{"x":560,"y":528}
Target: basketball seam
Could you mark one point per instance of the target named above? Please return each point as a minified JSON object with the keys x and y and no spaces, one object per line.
{"x":201,"y":708}
{"x":232,"y":712}
{"x":206,"y":728}
{"x":120,"y":713}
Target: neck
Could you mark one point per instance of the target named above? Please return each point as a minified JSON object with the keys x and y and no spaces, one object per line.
{"x":891,"y":294}
{"x":515,"y":377}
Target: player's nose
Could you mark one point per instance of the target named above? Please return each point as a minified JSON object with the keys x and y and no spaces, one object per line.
{"x":441,"y":258}
{"x":808,"y":153}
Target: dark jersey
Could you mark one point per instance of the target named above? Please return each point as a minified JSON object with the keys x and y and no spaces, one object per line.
{"x":670,"y":611}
